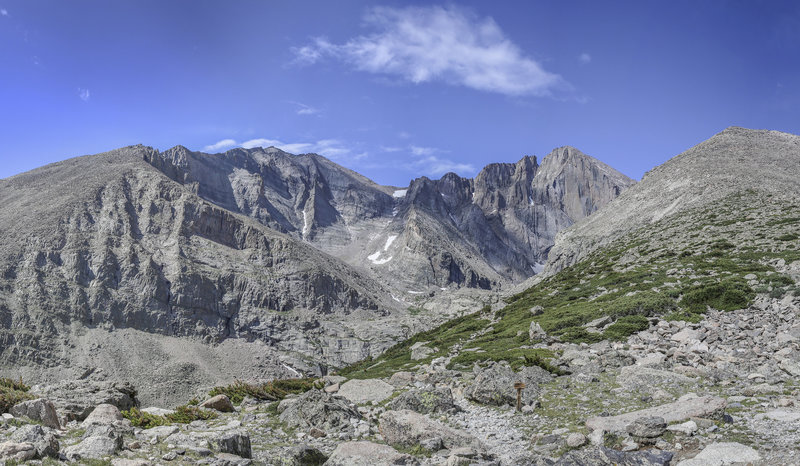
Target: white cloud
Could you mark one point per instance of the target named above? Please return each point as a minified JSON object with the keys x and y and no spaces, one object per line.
{"x":417,"y":150}
{"x":585,"y":58}
{"x":331,"y":148}
{"x":303,"y":109}
{"x":3,"y":12}
{"x":84,"y":94}
{"x":426,"y":44}
{"x":219,"y":145}
{"x":391,"y":149}
{"x":436,"y":166}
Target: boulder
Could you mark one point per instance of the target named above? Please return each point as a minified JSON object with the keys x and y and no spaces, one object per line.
{"x":368,"y":454}
{"x":97,"y":447}
{"x":365,"y":391}
{"x":647,"y":427}
{"x":42,"y":439}
{"x":406,"y":428}
{"x":494,"y":385}
{"x":219,"y":403}
{"x":40,"y":410}
{"x":316,"y":408}
{"x":426,"y":401}
{"x":575,"y":440}
{"x":304,"y":455}
{"x":535,"y":332}
{"x":235,"y":442}
{"x":681,"y":410}
{"x":645,"y":378}
{"x":75,"y":399}
{"x":420,"y":351}
{"x":401,"y":379}
{"x":17,"y":451}
{"x":602,"y":456}
{"x":103,"y":414}
{"x":721,"y":453}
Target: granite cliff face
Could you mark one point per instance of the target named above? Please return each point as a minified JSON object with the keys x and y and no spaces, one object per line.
{"x":265,"y":263}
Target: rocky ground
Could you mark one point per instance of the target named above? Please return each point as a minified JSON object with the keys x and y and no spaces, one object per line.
{"x":721,"y":391}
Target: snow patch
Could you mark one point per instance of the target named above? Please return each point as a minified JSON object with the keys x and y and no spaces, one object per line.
{"x":389,"y":242}
{"x":538,"y":267}
{"x":416,"y":292}
{"x":400,"y":193}
{"x":530,"y":199}
{"x":291,"y":369}
{"x":306,"y":224}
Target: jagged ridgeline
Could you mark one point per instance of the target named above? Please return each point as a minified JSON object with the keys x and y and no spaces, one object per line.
{"x":710,"y":229}
{"x":182,"y":269}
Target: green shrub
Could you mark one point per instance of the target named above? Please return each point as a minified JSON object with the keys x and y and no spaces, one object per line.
{"x":788,"y":237}
{"x":186,"y":414}
{"x":727,"y":295}
{"x":580,"y":335}
{"x":271,"y":391}
{"x":626,"y":326}
{"x":12,"y":392}
{"x":143,"y":420}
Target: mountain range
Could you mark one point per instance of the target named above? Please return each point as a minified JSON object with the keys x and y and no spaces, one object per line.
{"x":191,"y":268}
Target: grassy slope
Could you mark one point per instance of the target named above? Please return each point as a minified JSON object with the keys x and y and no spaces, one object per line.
{"x":672,"y":269}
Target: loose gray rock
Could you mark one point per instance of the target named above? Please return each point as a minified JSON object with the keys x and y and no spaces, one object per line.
{"x":316,"y":408}
{"x":722,"y":453}
{"x":40,"y":410}
{"x":426,"y":401}
{"x":103,"y":414}
{"x":703,"y":407}
{"x":45,"y":443}
{"x":93,"y":447}
{"x":494,"y":385}
{"x":235,"y":442}
{"x":75,"y":399}
{"x":647,"y":427}
{"x":601,"y":456}
{"x":368,"y":454}
{"x":219,"y":403}
{"x":17,"y":451}
{"x":407,"y":428}
{"x":304,"y":455}
{"x":575,"y":440}
{"x":365,"y":391}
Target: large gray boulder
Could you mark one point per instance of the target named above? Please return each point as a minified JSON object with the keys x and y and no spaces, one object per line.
{"x":365,"y":391}
{"x":316,"y":408}
{"x":722,"y":453}
{"x":39,"y":410}
{"x":75,"y":399}
{"x":236,"y":442}
{"x":103,"y":414}
{"x":494,"y":385}
{"x":406,"y":428}
{"x":706,"y":407}
{"x":426,"y":401}
{"x":96,"y":447}
{"x":17,"y":451}
{"x":368,"y":454}
{"x":601,"y":456}
{"x":42,"y":439}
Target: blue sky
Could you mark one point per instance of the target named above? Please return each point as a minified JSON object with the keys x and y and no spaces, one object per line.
{"x":394,"y":90}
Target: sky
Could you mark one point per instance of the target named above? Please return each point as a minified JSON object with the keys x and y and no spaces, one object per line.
{"x":394,"y":90}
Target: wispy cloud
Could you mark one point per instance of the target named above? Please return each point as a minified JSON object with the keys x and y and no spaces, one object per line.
{"x":390,"y":149}
{"x":427,"y":44}
{"x":84,"y":94}
{"x":3,"y":12}
{"x":585,"y":58}
{"x":437,"y":166}
{"x":303,"y":109}
{"x":219,"y":145}
{"x":418,"y":150}
{"x":331,"y":148}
